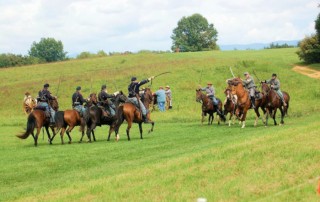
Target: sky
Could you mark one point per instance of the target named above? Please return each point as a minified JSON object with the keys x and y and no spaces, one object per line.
{"x":133,"y":25}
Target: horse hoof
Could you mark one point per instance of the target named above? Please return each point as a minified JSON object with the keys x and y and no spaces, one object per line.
{"x":69,"y":142}
{"x":117,"y":138}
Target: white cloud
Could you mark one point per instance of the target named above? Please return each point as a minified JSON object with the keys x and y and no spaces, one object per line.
{"x":120,"y":25}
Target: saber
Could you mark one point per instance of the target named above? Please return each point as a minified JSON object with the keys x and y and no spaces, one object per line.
{"x":231,"y":72}
{"x":162,"y":74}
{"x":58,"y":85}
{"x":254,"y":72}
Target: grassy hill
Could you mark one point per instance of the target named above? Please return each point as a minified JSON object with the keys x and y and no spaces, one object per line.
{"x":181,"y":160}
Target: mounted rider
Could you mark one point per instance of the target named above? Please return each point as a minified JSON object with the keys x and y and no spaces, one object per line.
{"x":249,"y":84}
{"x":77,"y":101}
{"x":210,"y":91}
{"x":44,"y":96}
{"x":106,"y":103}
{"x":134,"y":97}
{"x":275,"y":85}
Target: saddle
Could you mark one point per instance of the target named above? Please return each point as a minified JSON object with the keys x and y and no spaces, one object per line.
{"x":258,"y":95}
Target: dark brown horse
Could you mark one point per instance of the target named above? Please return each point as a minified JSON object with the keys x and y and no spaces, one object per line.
{"x":96,"y":117}
{"x":129,"y":112}
{"x":230,"y":105}
{"x":68,"y":119}
{"x":148,"y":98}
{"x":208,"y":107}
{"x":274,"y":102}
{"x":243,"y":101}
{"x":38,"y":119}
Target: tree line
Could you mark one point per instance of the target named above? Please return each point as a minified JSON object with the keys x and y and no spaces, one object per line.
{"x":193,"y":33}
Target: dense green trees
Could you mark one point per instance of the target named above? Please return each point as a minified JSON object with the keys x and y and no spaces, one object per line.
{"x":310,"y":46}
{"x":48,"y":50}
{"x":194,"y":33}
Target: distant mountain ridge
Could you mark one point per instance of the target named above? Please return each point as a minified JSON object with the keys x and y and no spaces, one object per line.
{"x":256,"y":46}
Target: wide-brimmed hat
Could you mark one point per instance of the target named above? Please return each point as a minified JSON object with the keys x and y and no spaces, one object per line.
{"x":209,"y":83}
{"x":245,"y":73}
{"x":167,"y":86}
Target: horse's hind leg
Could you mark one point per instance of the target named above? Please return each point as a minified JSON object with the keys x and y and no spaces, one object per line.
{"x":36,"y":137}
{"x":68,"y":133}
{"x":274,"y":116}
{"x":48,"y":133}
{"x":140,"y":129}
{"x":128,"y":130}
{"x":282,"y":116}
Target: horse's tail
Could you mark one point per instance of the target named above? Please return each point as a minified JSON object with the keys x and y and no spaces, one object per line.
{"x":59,"y":119}
{"x":31,"y":124}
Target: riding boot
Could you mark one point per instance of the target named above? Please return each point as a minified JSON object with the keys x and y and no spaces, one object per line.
{"x":252,"y":102}
{"x":145,"y":118}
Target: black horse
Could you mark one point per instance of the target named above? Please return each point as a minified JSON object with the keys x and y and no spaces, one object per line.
{"x":96,"y":117}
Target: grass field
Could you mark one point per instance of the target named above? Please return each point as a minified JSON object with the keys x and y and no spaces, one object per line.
{"x":181,"y":160}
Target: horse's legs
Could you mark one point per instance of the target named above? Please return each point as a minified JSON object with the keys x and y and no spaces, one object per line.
{"x":36,"y":137}
{"x":93,"y":135}
{"x":68,"y":133}
{"x":243,"y":119}
{"x":89,"y":131}
{"x":128,"y":129}
{"x":274,"y":116}
{"x":152,"y":126}
{"x":282,"y":115}
{"x":202,"y":118}
{"x":140,"y":129}
{"x":48,"y":133}
{"x":210,"y":120}
{"x":111,"y":129}
{"x":256,"y":110}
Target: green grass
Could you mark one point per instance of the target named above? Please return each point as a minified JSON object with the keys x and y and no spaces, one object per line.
{"x":181,"y":160}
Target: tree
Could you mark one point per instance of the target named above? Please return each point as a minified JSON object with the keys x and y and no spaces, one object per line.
{"x":48,"y":50}
{"x":194,"y":33}
{"x":309,"y":49}
{"x":317,"y":25}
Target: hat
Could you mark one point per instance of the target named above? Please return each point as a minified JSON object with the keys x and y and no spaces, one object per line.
{"x":104,"y":86}
{"x":167,"y":86}
{"x":78,"y":88}
{"x":133,"y":78}
{"x":245,"y":73}
{"x":209,"y":83}
{"x":46,"y":85}
{"x":274,"y":74}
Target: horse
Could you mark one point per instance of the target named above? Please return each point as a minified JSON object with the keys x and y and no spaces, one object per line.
{"x":244,"y":103}
{"x":274,"y":102}
{"x":208,"y":107}
{"x":129,"y":112}
{"x":230,"y":105}
{"x":28,"y":103}
{"x":38,"y":119}
{"x":95,"y":117}
{"x":71,"y":118}
{"x":148,"y":98}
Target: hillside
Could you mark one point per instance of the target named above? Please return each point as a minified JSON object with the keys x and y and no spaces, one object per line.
{"x":181,"y":160}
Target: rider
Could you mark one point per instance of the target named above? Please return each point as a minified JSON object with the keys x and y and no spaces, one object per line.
{"x":77,"y":101}
{"x":103,"y":97}
{"x":249,"y":84}
{"x":210,"y":94}
{"x":44,"y":96}
{"x":134,"y":97}
{"x":275,"y":85}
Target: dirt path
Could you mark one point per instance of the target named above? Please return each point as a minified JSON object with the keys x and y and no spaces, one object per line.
{"x":307,"y":71}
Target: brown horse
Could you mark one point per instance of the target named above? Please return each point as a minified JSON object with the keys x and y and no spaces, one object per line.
{"x":230,"y":105}
{"x":208,"y":107}
{"x":244,"y":103}
{"x":129,"y":112}
{"x":38,"y":119}
{"x":148,"y":98}
{"x":95,"y":117}
{"x":68,"y":119}
{"x":274,"y":102}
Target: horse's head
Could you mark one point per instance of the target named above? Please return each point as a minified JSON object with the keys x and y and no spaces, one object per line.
{"x":199,"y":95}
{"x":54,"y":104}
{"x":148,"y":94}
{"x":120,"y":97}
{"x":265,"y":88}
{"x":93,"y":98}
